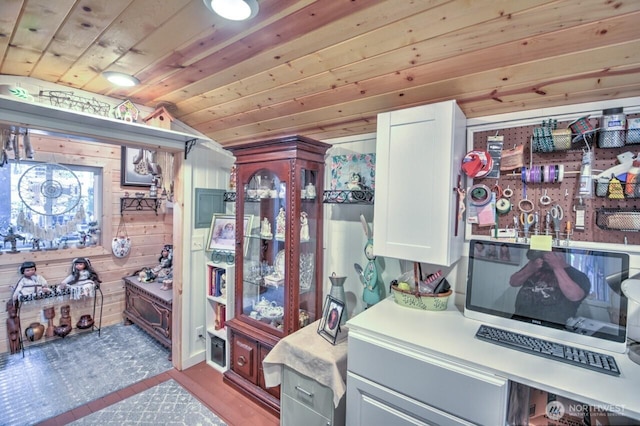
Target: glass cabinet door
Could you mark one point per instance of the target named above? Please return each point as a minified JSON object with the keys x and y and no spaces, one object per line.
{"x":264,"y":270}
{"x":308,"y":226}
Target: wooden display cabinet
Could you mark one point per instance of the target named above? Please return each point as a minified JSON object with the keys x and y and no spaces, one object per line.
{"x":278,"y":276}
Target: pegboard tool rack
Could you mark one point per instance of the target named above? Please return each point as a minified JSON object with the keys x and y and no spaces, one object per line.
{"x":563,"y":193}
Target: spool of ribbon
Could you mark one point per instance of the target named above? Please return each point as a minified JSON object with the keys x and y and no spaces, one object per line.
{"x":503,"y":206}
{"x":581,"y":127}
{"x":479,"y":195}
{"x":477,"y":163}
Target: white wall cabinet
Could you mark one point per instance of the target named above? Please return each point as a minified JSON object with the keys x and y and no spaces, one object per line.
{"x":418,"y":155}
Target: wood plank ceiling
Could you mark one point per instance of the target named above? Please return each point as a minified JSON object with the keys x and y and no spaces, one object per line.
{"x":325,"y":68}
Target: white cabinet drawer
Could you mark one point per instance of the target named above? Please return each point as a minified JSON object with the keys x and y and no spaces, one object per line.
{"x":307,"y":392}
{"x":293,"y":413}
{"x":371,"y":404}
{"x":437,"y":382}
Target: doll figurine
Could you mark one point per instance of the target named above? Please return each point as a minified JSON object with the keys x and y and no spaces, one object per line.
{"x":265,"y":228}
{"x":30,"y":285}
{"x":304,"y":227}
{"x":83,"y":278}
{"x":165,"y":262}
{"x":280,"y":224}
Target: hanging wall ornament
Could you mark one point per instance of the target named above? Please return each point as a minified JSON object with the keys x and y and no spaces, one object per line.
{"x":121,"y":244}
{"x":49,"y":189}
{"x":28,"y":148}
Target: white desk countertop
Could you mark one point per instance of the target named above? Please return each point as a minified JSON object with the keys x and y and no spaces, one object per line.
{"x":451,"y":336}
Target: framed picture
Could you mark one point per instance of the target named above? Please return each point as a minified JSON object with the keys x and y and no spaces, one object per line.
{"x":329,"y":325}
{"x":353,"y":169}
{"x":222,"y":235}
{"x":136,"y":166}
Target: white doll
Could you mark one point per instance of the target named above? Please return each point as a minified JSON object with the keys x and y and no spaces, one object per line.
{"x":280,"y":224}
{"x":304,"y":227}
{"x":30,"y":284}
{"x":83,"y":279}
{"x":265,"y":229}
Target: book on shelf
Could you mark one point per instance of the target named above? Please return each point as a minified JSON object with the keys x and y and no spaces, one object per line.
{"x":221,"y":314}
{"x":211,"y":282}
{"x":220,"y":276}
{"x":216,"y":280}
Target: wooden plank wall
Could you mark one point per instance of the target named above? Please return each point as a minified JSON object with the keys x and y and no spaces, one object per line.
{"x":148,"y":233}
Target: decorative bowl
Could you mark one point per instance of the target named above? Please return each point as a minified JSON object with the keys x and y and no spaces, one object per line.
{"x":35,"y":331}
{"x":273,"y":312}
{"x":423,"y":301}
{"x":85,"y":322}
{"x":62,"y":330}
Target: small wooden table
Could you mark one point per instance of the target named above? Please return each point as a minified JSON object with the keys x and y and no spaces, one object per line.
{"x":150,"y":308}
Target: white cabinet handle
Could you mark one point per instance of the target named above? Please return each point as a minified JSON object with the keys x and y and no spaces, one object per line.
{"x":306,"y":392}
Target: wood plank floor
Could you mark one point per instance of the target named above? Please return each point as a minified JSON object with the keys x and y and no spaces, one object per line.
{"x":202,"y":382}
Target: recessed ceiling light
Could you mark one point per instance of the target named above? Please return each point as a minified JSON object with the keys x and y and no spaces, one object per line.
{"x":121,"y":79}
{"x":235,"y":10}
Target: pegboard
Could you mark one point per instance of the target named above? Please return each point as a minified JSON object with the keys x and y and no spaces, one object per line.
{"x":563,"y":193}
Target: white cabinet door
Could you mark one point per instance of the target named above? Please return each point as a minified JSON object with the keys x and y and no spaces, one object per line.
{"x":418,"y":155}
{"x":371,"y":404}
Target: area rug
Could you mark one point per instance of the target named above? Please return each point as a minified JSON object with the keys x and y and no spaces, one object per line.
{"x":167,"y":403}
{"x":57,"y":376}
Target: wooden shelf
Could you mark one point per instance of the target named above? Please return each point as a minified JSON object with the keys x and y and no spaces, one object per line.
{"x":59,"y":296}
{"x":139,"y":204}
{"x":348,"y":197}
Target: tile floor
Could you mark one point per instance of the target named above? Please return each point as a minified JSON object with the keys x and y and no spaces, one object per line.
{"x":166,"y":403}
{"x":61,"y":374}
{"x":31,"y":387}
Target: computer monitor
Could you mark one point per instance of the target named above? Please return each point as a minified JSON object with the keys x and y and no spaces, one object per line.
{"x":567,"y":294}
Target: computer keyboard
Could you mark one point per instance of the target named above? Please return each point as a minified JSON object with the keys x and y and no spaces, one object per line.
{"x":569,"y":354}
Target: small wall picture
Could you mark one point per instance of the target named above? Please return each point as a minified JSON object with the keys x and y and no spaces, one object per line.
{"x":329,"y":326}
{"x":137,"y":166}
{"x":222,"y":235}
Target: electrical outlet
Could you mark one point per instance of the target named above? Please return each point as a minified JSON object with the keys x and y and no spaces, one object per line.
{"x":196,"y":243}
{"x":199,"y":332}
